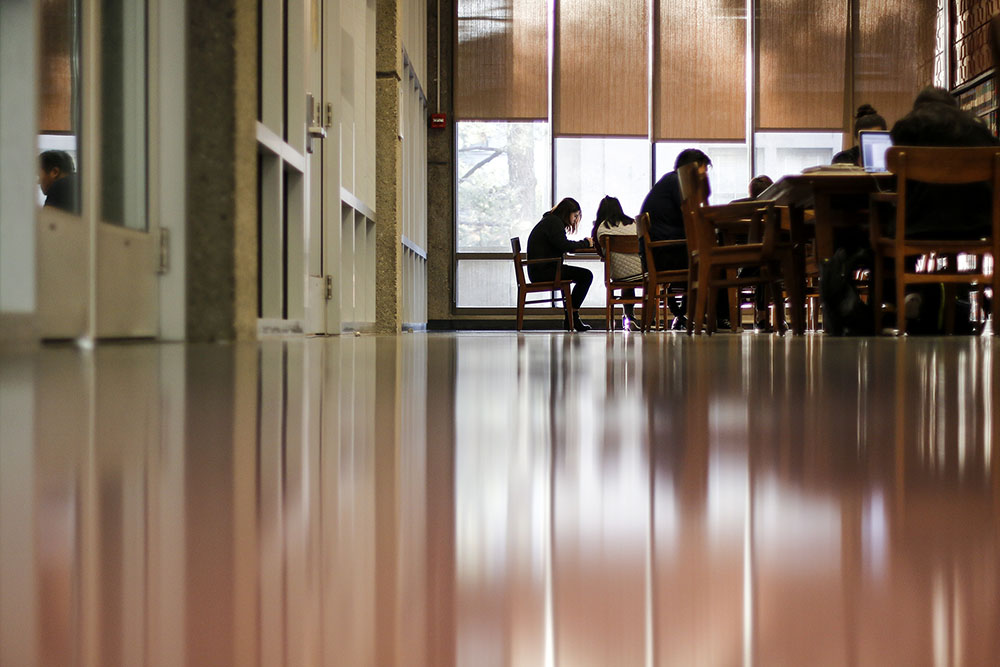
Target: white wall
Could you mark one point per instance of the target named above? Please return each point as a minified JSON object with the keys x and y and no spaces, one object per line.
{"x":18,"y":160}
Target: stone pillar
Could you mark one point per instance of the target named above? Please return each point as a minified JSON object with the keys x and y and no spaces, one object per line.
{"x":221,"y":170}
{"x":388,"y":169}
{"x":440,"y":162}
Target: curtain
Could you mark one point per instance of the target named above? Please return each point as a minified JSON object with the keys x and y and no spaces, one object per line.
{"x":802,"y":49}
{"x":601,"y":86}
{"x":501,"y":60}
{"x":699,"y":76}
{"x":895,"y":46}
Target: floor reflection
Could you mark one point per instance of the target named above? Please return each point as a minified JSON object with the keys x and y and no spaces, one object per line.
{"x":493,"y":499}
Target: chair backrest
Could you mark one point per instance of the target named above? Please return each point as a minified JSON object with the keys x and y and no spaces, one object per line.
{"x":515,"y":245}
{"x":642,"y":233}
{"x":617,"y":243}
{"x":944,"y":166}
{"x":694,"y":194}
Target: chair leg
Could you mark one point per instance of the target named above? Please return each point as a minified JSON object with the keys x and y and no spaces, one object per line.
{"x":735,"y":320}
{"x":608,"y":319}
{"x":900,"y":297}
{"x":878,"y":276}
{"x":794,"y":283}
{"x":996,"y":296}
{"x":568,"y":302}
{"x":702,"y":301}
{"x":692,"y":295}
{"x":521,"y":296}
{"x":647,"y":301}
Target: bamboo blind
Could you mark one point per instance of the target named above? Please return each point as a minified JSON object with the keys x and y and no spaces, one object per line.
{"x":601,"y":82}
{"x":501,"y":63}
{"x":895,"y":43}
{"x":802,"y":47}
{"x":56,"y":94}
{"x":700,"y":70}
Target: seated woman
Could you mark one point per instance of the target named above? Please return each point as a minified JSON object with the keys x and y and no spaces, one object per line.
{"x":866,"y":118}
{"x":612,"y":221}
{"x":548,"y":241}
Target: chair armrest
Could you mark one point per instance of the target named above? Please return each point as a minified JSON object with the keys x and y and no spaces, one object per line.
{"x":666,"y":243}
{"x":545,"y":260}
{"x":735,"y":212}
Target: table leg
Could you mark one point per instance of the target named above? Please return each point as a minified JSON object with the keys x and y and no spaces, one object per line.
{"x":797,"y":281}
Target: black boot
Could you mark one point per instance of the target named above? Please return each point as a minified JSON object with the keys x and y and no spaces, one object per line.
{"x":578,"y":323}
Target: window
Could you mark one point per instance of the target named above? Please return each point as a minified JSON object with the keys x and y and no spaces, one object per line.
{"x":780,"y":153}
{"x":504,"y":178}
{"x":587,"y":169}
{"x":728,"y":175}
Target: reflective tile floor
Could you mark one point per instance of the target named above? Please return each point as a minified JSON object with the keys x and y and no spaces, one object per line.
{"x":494,"y":499}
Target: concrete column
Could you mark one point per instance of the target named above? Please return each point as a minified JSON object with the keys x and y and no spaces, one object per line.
{"x":388,"y":168}
{"x":221,"y":170}
{"x":440,"y":162}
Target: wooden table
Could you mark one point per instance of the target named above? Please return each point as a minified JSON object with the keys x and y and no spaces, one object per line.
{"x":837,"y":198}
{"x":833,"y":196}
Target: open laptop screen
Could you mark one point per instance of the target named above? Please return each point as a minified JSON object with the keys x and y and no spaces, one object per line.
{"x":874,"y":144}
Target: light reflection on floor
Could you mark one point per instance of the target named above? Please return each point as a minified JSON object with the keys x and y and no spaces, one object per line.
{"x":493,"y":499}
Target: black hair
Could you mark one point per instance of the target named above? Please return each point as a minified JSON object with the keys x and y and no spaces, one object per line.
{"x":759,"y":184}
{"x":689,"y":155}
{"x":610,"y":211}
{"x":60,"y":160}
{"x":564,"y":210}
{"x":866,"y":118}
{"x":935,"y":95}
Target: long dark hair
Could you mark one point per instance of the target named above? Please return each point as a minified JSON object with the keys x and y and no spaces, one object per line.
{"x":564,"y":210}
{"x":609,"y":211}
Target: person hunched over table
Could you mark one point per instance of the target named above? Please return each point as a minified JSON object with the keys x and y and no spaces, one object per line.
{"x":548,"y":241}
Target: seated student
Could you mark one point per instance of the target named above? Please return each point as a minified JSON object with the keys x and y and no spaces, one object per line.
{"x":758,"y":184}
{"x":57,"y":179}
{"x":866,"y":118}
{"x":612,"y":221}
{"x":666,"y":222}
{"x":548,"y":240}
{"x":942,"y":211}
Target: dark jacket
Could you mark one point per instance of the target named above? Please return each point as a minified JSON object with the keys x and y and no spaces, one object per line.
{"x":944,"y":211}
{"x":851,"y":156}
{"x":663,"y":203}
{"x":62,"y":194}
{"x":548,"y":239}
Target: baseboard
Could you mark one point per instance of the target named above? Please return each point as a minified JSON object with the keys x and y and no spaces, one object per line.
{"x":18,"y":331}
{"x":278,"y":327}
{"x":506,"y":324}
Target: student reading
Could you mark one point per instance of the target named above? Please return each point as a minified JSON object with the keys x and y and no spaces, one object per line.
{"x":548,"y":241}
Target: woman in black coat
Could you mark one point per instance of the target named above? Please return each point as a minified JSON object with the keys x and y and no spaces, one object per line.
{"x":548,"y":241}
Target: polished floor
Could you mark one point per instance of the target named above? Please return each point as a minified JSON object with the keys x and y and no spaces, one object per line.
{"x":494,"y":499}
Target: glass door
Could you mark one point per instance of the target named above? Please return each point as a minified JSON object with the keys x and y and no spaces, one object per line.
{"x":98,"y":251}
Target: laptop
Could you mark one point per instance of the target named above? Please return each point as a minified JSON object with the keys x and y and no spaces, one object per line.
{"x":874,"y":144}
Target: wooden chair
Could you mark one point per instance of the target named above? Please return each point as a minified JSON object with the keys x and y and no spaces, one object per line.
{"x":524,"y":287}
{"x":949,"y":166}
{"x":657,"y":282}
{"x":628,"y":245}
{"x":712,"y":265}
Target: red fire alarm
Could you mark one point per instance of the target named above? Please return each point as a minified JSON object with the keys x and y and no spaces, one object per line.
{"x":438,"y":121}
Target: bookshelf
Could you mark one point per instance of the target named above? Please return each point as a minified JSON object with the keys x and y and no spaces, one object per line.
{"x":973,"y":81}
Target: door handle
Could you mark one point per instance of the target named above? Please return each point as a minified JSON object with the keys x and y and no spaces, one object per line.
{"x":314,"y":123}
